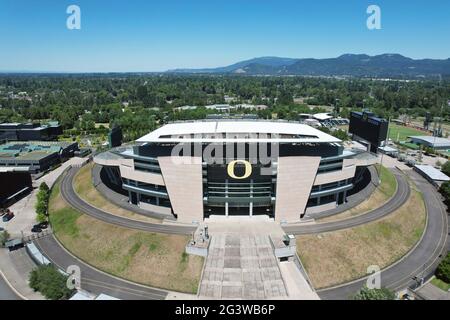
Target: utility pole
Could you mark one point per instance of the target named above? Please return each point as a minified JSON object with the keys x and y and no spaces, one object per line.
{"x":382,"y":153}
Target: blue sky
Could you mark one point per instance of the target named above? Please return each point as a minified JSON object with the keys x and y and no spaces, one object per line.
{"x":156,"y":35}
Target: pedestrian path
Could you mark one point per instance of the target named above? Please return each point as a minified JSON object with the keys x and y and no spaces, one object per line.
{"x":241,"y":266}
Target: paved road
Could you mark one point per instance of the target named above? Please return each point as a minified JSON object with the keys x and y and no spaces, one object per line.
{"x":422,"y":261}
{"x":95,"y":281}
{"x":401,"y":196}
{"x":76,"y":202}
{"x":5,"y":291}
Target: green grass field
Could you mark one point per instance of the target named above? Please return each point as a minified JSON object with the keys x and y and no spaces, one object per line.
{"x":153,"y":259}
{"x":440,"y":284}
{"x":401,"y":133}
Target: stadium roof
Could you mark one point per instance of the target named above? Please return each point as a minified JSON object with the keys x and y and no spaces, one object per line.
{"x":238,"y":131}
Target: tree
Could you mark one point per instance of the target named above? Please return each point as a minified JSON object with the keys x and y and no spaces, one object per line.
{"x":44,"y":187}
{"x":445,"y":191}
{"x":374,"y":294}
{"x":50,"y":282}
{"x":4,"y":236}
{"x":42,"y":202}
{"x":340,"y":134}
{"x":443,"y":269}
{"x":446,"y":168}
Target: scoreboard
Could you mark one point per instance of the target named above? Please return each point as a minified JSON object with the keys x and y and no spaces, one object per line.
{"x":368,"y":127}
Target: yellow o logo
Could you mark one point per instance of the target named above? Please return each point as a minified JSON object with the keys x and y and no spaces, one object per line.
{"x":248,"y":169}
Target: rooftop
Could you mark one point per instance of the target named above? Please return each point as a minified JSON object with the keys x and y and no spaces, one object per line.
{"x":433,"y":173}
{"x":434,"y":141}
{"x":238,"y":131}
{"x":31,"y":150}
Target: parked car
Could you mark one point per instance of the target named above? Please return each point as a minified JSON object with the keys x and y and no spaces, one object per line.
{"x":8,"y":216}
{"x":2,"y":212}
{"x":43,"y":225}
{"x":36,"y":229}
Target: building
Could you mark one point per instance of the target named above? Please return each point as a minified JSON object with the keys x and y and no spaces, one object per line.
{"x":18,"y":184}
{"x":231,"y":167}
{"x":29,"y":131}
{"x":35,"y":156}
{"x":115,"y":137}
{"x":322,"y":120}
{"x":435,"y":143}
{"x":433,"y":175}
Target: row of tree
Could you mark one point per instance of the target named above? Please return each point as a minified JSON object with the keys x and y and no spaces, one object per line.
{"x":80,"y":101}
{"x":43,"y":197}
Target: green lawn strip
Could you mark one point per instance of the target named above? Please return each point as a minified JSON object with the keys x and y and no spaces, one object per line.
{"x":440,"y":284}
{"x":401,"y":133}
{"x":117,"y":255}
{"x":388,"y":182}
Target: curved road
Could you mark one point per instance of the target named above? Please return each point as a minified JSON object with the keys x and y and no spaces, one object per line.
{"x":76,"y":202}
{"x":400,"y":197}
{"x":421,"y":261}
{"x":6,"y":293}
{"x":95,"y":281}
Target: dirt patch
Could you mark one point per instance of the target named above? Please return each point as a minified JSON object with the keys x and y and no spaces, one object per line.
{"x":153,"y":259}
{"x":380,"y":196}
{"x":338,"y":257}
{"x":83,"y":186}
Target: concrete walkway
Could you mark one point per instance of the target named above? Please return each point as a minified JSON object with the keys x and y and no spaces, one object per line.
{"x":16,"y":267}
{"x":296,"y":284}
{"x":241,"y":267}
{"x":431,"y":292}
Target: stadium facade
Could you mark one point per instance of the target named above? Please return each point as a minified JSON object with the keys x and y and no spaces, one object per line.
{"x":195,"y":169}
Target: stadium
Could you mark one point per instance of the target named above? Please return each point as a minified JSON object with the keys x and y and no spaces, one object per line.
{"x":192,"y":170}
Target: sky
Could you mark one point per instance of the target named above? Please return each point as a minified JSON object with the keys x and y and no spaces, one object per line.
{"x":157,"y":35}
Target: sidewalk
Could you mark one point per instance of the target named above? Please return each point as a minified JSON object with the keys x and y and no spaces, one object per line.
{"x":431,"y":292}
{"x":297,"y":287}
{"x":16,"y":267}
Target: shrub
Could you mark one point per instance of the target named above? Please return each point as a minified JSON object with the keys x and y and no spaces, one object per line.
{"x":4,"y":236}
{"x":374,"y":294}
{"x":445,"y":191}
{"x":446,"y":168}
{"x":42,"y":202}
{"x":50,"y":282}
{"x":443,"y":269}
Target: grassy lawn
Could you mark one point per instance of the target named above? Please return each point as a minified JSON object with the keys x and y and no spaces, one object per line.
{"x":157,"y":260}
{"x":341,"y":256}
{"x":401,"y":133}
{"x":410,"y":145}
{"x":381,"y":195}
{"x":85,"y":189}
{"x":440,"y":284}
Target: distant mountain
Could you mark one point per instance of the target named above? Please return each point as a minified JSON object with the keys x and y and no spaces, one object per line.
{"x":353,"y":65}
{"x":264,"y":62}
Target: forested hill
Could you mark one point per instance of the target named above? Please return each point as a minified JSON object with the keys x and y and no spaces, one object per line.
{"x":353,"y":65}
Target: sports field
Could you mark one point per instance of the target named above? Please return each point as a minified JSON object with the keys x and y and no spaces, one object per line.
{"x":401,"y":133}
